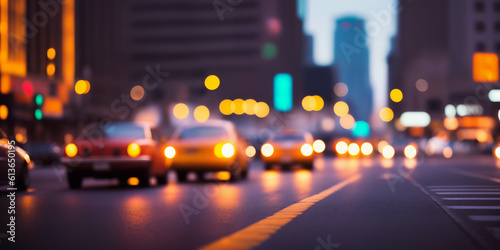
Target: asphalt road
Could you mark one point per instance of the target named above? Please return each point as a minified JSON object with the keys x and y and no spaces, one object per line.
{"x":431,"y":203}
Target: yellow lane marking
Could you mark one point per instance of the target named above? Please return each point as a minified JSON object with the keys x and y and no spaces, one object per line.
{"x":255,"y":234}
{"x":466,"y":173}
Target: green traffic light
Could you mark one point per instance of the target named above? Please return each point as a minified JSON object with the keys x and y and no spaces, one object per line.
{"x":39,"y":100}
{"x":38,"y":114}
{"x":269,"y":51}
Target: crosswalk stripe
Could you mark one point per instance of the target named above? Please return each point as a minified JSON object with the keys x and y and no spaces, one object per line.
{"x":485,"y":217}
{"x":471,"y":199}
{"x":464,"y":189}
{"x":448,"y":193}
{"x":474,"y":207}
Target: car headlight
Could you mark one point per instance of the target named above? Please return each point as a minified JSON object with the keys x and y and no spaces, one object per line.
{"x":410,"y":151}
{"x":133,"y":150}
{"x":71,"y":150}
{"x":228,"y":150}
{"x":267,"y":150}
{"x":388,"y":152}
{"x":169,"y":152}
{"x":306,"y":149}
{"x":319,"y":146}
{"x":366,"y":148}
{"x":341,"y":147}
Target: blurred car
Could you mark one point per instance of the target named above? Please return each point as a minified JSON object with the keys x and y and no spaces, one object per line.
{"x":44,"y":152}
{"x":207,"y":147}
{"x":116,"y":150}
{"x":14,"y":157}
{"x":288,"y":147}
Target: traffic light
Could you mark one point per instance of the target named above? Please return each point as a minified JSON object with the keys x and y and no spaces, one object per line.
{"x":38,"y":101}
{"x":283,"y":92}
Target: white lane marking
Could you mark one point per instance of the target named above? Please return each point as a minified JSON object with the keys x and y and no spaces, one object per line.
{"x":463,"y":186}
{"x":471,"y":199}
{"x":479,"y":176}
{"x":485,"y":217}
{"x":448,"y":193}
{"x":464,"y":189}
{"x":495,"y":231}
{"x":473,"y":207}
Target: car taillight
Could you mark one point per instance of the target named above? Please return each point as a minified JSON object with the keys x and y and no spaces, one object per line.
{"x":267,"y":150}
{"x":169,"y":152}
{"x":306,"y":149}
{"x":71,"y":150}
{"x":133,"y":150}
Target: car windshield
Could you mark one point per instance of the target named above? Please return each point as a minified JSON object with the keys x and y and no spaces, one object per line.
{"x":203,"y":132}
{"x":114,"y":131}
{"x":289,"y":138}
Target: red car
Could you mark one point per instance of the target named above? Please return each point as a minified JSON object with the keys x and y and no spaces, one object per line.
{"x":116,"y":150}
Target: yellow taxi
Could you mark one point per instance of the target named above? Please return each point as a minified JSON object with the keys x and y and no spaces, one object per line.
{"x":287,"y":148}
{"x":211,"y":146}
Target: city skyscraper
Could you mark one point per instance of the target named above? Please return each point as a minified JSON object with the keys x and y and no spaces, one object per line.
{"x":352,"y":65}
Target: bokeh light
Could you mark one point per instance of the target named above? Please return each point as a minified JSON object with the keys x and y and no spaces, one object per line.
{"x":386,"y":114}
{"x":261,"y":109}
{"x":347,"y":121}
{"x":340,"y":89}
{"x":82,"y":87}
{"x":269,"y":51}
{"x":250,"y":151}
{"x":388,"y":152}
{"x":249,"y":106}
{"x":410,"y":151}
{"x":212,"y":82}
{"x":4,"y":112}
{"x":421,"y":85}
{"x":381,"y":145}
{"x":306,"y":149}
{"x":396,"y":95}
{"x":319,"y":103}
{"x":361,"y":129}
{"x":51,"y":69}
{"x":137,"y":93}
{"x":267,"y":150}
{"x":341,"y":108}
{"x":181,"y":111}
{"x":450,"y":110}
{"x":328,"y":124}
{"x":447,"y":152}
{"x":451,"y":123}
{"x":308,"y":103}
{"x":319,"y":146}
{"x":341,"y":147}
{"x":201,"y":113}
{"x":237,"y":106}
{"x":497,"y":152}
{"x":366,"y":148}
{"x":226,"y":107}
{"x":51,"y":53}
{"x":353,"y":149}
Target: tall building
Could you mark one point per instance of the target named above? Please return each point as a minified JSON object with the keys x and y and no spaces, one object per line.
{"x":419,"y":61}
{"x":474,"y":27}
{"x":352,"y":66}
{"x":36,"y":68}
{"x":245,"y":45}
